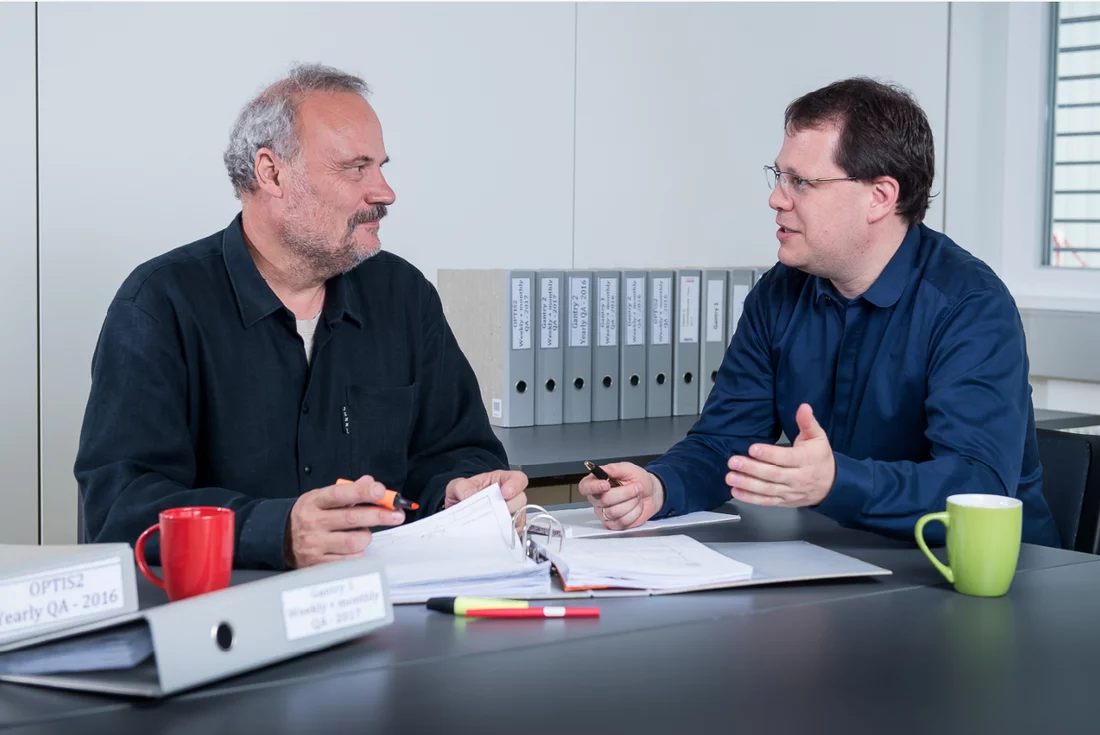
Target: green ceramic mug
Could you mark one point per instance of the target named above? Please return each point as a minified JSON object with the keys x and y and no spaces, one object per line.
{"x":983,"y":542}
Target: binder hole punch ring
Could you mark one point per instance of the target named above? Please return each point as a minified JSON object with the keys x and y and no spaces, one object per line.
{"x":634,"y":380}
{"x":607,"y":381}
{"x":660,"y":378}
{"x":550,"y":385}
{"x":688,"y":377}
{"x":578,"y":383}
{"x":521,"y":386}
{"x":223,"y":636}
{"x":714,"y":376}
{"x":539,"y":523}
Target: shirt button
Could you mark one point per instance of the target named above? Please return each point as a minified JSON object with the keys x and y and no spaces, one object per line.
{"x":307,"y":469}
{"x":305,"y":408}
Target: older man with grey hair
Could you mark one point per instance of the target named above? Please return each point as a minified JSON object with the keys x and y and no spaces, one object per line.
{"x":254,"y":368}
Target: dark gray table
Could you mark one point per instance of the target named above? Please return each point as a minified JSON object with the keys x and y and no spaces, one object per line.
{"x":862,"y":655}
{"x":558,"y":451}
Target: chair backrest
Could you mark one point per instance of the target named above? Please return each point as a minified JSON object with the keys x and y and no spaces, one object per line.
{"x":1071,"y":485}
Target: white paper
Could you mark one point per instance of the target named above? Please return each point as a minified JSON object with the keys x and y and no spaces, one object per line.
{"x":716,"y":309}
{"x":65,"y":593}
{"x":521,"y":313}
{"x":483,"y":514}
{"x":579,"y":318}
{"x":689,"y":309}
{"x":583,"y":522}
{"x":115,"y":648}
{"x":660,"y":327}
{"x":328,"y":606}
{"x":635,"y":311}
{"x":608,"y":328}
{"x":549,"y":313}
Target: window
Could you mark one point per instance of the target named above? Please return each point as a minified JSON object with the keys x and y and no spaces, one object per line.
{"x":1074,"y":184}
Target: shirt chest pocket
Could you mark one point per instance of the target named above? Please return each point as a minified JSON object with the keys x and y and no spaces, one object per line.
{"x":378,"y":424}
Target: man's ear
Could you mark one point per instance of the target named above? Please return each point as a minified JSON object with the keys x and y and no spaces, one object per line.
{"x":884,"y":198}
{"x":269,"y":172}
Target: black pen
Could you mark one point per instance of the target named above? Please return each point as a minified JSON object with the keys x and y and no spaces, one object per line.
{"x":599,"y":474}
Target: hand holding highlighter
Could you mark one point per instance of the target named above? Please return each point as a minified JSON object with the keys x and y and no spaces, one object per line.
{"x":392,"y":500}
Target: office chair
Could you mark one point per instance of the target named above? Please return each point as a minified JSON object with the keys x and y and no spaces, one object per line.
{"x":1071,"y":485}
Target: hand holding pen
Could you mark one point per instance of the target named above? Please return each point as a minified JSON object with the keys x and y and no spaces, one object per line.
{"x":331,"y":523}
{"x":622,"y":494}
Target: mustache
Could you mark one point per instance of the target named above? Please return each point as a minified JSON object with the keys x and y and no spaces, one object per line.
{"x":374,"y":213}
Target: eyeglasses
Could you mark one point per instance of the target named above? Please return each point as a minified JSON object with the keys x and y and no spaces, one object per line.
{"x":795,"y":185}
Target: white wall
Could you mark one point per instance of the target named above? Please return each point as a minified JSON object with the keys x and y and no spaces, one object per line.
{"x":18,"y":291}
{"x":680,"y":106}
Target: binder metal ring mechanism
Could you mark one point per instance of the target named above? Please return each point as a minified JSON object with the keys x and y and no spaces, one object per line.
{"x":532,"y":527}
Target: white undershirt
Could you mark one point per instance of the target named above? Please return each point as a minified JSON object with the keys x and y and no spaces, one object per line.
{"x":306,"y":328}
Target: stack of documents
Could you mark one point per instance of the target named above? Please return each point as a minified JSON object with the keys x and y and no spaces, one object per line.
{"x":662,"y":563}
{"x":469,"y":549}
{"x":583,"y":522}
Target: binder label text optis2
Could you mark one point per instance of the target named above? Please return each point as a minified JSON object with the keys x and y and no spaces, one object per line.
{"x":521,"y":313}
{"x":328,"y":606}
{"x":609,"y":310}
{"x":66,"y":593}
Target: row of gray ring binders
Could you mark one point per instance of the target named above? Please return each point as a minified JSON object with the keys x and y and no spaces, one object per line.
{"x":574,"y":346}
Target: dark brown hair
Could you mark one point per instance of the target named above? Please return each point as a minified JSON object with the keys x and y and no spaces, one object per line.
{"x":883,"y":132}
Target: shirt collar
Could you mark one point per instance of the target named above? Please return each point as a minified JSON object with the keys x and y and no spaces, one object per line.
{"x":256,"y":300}
{"x":887,"y":288}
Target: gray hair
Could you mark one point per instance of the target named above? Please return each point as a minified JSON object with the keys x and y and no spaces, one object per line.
{"x":268,"y":121}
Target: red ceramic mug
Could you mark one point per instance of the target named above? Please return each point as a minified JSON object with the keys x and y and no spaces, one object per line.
{"x":196,"y":550}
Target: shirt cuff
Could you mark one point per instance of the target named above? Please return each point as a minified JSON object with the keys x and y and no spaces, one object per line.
{"x":675,"y":497}
{"x":263,"y":534}
{"x":851,"y":489}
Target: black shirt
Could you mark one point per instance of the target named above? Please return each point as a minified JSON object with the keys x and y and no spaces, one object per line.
{"x":202,"y":395}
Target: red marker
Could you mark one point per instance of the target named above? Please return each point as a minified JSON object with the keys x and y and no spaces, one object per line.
{"x":535,"y":612}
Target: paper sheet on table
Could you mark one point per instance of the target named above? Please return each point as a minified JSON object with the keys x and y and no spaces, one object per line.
{"x":583,"y":523}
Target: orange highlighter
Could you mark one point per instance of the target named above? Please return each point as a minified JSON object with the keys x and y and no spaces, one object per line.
{"x":391,"y":500}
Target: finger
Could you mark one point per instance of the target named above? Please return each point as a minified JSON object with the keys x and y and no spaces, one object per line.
{"x":762,"y":470}
{"x":808,"y":428}
{"x":635,"y":517}
{"x":776,"y":455}
{"x":590,"y":486}
{"x":363,"y":490}
{"x":746,"y":496}
{"x":623,"y":471}
{"x":512,"y":484}
{"x":343,"y":542}
{"x":617,"y":495}
{"x":757,"y":486}
{"x":616,"y":512}
{"x":464,"y":488}
{"x":517,"y":502}
{"x":358,"y":516}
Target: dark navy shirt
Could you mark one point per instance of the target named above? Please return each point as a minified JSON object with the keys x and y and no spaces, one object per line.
{"x":921,"y":385}
{"x":202,"y":395}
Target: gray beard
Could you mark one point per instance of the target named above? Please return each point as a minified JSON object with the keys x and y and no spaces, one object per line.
{"x":316,"y":262}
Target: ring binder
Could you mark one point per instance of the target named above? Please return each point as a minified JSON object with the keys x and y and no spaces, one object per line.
{"x":533,"y":551}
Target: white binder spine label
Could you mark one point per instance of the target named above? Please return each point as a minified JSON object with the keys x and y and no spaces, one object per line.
{"x":322,"y":608}
{"x":662,"y":308}
{"x":550,"y":314}
{"x":715,"y":309}
{"x":521,"y":313}
{"x":689,"y":309}
{"x":609,"y":312}
{"x":635,"y":311}
{"x":579,"y":318}
{"x":740,"y":293}
{"x":65,"y":593}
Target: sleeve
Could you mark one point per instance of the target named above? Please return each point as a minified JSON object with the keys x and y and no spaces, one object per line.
{"x":740,"y":411}
{"x":136,"y":453}
{"x":977,"y":407}
{"x":452,"y":437}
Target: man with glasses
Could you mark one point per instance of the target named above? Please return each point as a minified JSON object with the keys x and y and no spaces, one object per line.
{"x":895,"y":358}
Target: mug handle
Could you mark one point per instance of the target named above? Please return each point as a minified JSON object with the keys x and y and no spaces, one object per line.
{"x":139,"y":553}
{"x":919,"y":531}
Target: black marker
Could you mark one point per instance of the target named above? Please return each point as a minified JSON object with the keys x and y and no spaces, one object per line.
{"x":599,"y":474}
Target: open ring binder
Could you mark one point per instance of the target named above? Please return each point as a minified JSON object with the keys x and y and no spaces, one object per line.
{"x":531,"y":527}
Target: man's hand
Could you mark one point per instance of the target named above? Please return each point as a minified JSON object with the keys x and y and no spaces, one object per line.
{"x":794,"y":476}
{"x":639,"y":495}
{"x":512,"y":486}
{"x":326,"y":524}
